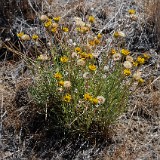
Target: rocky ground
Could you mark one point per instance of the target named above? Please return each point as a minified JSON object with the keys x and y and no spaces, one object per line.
{"x":24,"y":133}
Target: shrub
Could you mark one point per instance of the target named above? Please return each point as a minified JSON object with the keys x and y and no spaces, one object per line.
{"x":84,"y":80}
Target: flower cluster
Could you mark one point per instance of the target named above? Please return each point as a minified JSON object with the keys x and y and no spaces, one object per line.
{"x":130,"y":63}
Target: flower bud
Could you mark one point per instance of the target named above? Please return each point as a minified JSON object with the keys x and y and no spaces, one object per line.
{"x":81,"y":62}
{"x":67,"y":84}
{"x":116,"y":56}
{"x":25,"y":37}
{"x":43,"y":18}
{"x":127,"y":64}
{"x":137,"y":75}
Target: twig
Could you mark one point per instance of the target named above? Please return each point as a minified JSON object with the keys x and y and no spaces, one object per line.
{"x":151,"y":83}
{"x":112,"y":18}
{"x":29,"y":2}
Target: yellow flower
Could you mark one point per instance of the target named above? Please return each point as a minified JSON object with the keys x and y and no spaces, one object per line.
{"x":96,"y":41}
{"x":146,"y":56}
{"x":61,"y":83}
{"x":78,"y":29}
{"x":48,"y":23}
{"x":91,"y":42}
{"x":125,"y":52}
{"x":83,"y":55}
{"x":84,"y":29}
{"x":67,"y":98}
{"x":64,"y":59}
{"x":92,"y":67}
{"x":140,"y":60}
{"x":95,"y":100}
{"x":56,"y":19}
{"x":65,"y":29}
{"x":135,"y":64}
{"x":116,"y":34}
{"x":141,"y":80}
{"x":20,"y":34}
{"x":54,"y":29}
{"x":99,"y":36}
{"x":78,"y":49}
{"x":34,"y":36}
{"x":87,"y":97}
{"x":127,"y":72}
{"x":113,"y":51}
{"x":58,"y":75}
{"x":89,"y":55}
{"x":131,"y":11}
{"x":91,"y":19}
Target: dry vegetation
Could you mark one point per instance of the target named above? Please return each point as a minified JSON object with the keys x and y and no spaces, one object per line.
{"x":24,"y":130}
